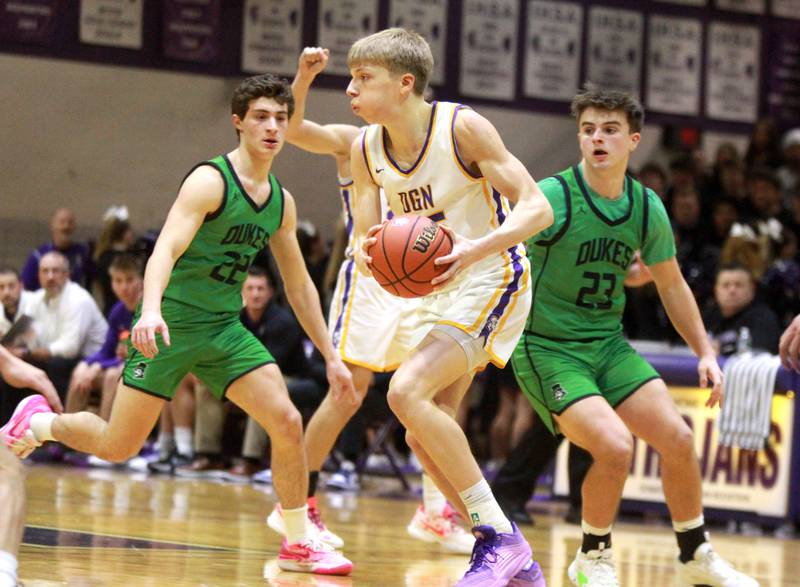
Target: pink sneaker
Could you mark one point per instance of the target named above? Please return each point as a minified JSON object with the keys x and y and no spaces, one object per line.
{"x":275,"y":521}
{"x":313,"y":556}
{"x":442,"y":529}
{"x":17,"y":431}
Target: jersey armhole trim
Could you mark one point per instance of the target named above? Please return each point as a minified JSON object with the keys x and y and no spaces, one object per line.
{"x":645,"y":215}
{"x":454,"y":145}
{"x":365,"y":151}
{"x":561,"y":231}
{"x":276,"y":183}
{"x":211,"y":216}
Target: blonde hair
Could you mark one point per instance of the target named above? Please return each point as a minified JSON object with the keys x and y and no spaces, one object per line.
{"x":398,"y":50}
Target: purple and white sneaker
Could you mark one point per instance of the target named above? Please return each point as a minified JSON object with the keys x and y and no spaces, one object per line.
{"x":496,"y":558}
{"x":530,"y":576}
{"x":17,"y":432}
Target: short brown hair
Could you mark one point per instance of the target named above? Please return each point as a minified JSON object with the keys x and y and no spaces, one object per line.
{"x":593,"y":96}
{"x":261,"y":86}
{"x":398,"y":50}
{"x":126,"y":263}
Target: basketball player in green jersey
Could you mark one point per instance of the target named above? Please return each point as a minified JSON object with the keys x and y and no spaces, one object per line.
{"x":572,"y":361}
{"x":227,"y":209}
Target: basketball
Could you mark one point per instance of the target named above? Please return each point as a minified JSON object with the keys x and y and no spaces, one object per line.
{"x":403,"y":257}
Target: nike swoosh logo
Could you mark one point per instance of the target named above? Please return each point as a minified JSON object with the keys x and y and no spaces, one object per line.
{"x":379,"y":170}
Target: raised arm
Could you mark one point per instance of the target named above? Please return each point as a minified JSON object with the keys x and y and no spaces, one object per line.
{"x":328,"y":139}
{"x":480,"y":146}
{"x":200,"y":195}
{"x":684,"y":314}
{"x":304,"y":299}
{"x":366,"y":207}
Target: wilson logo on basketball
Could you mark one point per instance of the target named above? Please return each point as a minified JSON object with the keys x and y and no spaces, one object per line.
{"x":425,"y":238}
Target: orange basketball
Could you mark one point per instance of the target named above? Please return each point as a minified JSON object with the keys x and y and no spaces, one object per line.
{"x":403,"y":257}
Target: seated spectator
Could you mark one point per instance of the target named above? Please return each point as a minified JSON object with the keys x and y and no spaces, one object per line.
{"x":315,"y":253}
{"x":696,"y":259}
{"x":115,"y":239}
{"x":62,"y":227}
{"x":724,"y":214}
{"x":780,"y":285}
{"x":12,"y":299}
{"x":653,"y":176}
{"x":105,"y":365}
{"x":764,"y":149}
{"x":68,"y":322}
{"x":765,"y":198}
{"x":737,"y":322}
{"x":789,"y":173}
{"x":732,"y":185}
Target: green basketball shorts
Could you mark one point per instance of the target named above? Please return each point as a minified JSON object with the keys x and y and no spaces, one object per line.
{"x":556,"y":374}
{"x":216,"y":347}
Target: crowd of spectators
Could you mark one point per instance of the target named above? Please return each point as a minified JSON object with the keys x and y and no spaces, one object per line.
{"x":69,"y":311}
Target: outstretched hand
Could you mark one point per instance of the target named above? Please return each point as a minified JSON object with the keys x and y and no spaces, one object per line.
{"x":710,"y":374}
{"x":143,"y":334}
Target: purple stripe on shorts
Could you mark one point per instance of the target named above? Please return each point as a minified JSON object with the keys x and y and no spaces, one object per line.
{"x":494,"y":317}
{"x":348,"y":212}
{"x":348,"y":282}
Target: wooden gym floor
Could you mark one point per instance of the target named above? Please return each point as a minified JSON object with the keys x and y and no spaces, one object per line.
{"x":95,"y":527}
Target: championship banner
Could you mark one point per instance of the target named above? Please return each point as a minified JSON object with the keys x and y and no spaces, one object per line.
{"x":191,"y":30}
{"x":114,"y":23}
{"x":614,"y":54}
{"x":732,"y":479}
{"x":786,"y":8}
{"x":488,"y":52}
{"x":342,"y":23}
{"x":732,"y":72}
{"x":272,"y":36}
{"x":553,"y":49}
{"x":429,"y":19}
{"x":674,"y":54}
{"x":750,"y":6}
{"x":29,"y":21}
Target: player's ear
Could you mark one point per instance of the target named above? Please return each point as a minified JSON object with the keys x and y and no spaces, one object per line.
{"x":237,"y":122}
{"x":407,"y":81}
{"x":635,"y":138}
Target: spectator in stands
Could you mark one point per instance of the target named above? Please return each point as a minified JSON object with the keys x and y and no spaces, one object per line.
{"x":780,"y":285}
{"x":724,"y":214}
{"x":653,"y":176}
{"x":737,"y":322}
{"x":126,"y":281}
{"x":115,"y":239}
{"x":789,"y":172}
{"x":12,"y":299}
{"x":62,"y":227}
{"x":732,"y":185}
{"x":315,"y":253}
{"x":764,"y":149}
{"x":765,"y":197}
{"x":68,"y":322}
{"x":683,"y":177}
{"x":698,"y":262}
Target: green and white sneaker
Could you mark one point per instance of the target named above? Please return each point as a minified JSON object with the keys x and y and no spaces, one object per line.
{"x":593,"y":569}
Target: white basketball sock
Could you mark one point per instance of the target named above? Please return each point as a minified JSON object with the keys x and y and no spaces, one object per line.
{"x":42,"y":426}
{"x":433,"y":500}
{"x":295,"y":523}
{"x":166,"y":444}
{"x":8,"y":569}
{"x":483,"y":509}
{"x":184,"y":440}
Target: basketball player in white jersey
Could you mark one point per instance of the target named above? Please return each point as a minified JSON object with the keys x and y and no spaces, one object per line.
{"x":371,"y":329}
{"x":447,"y":162}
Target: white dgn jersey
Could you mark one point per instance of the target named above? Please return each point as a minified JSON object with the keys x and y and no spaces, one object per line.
{"x":439,"y":185}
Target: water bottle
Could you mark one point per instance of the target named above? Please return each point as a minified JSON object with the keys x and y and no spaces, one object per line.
{"x":744,"y":344}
